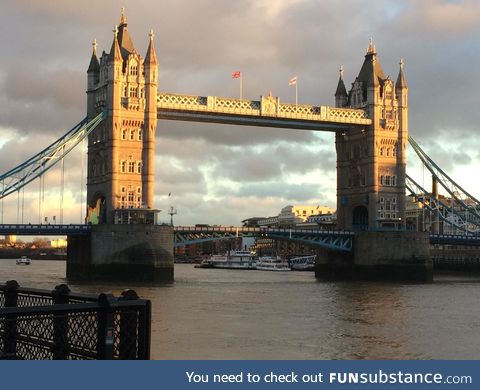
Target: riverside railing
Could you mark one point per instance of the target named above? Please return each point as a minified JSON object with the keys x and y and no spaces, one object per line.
{"x":40,"y":324}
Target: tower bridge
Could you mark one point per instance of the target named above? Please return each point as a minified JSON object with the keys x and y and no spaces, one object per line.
{"x":370,"y":122}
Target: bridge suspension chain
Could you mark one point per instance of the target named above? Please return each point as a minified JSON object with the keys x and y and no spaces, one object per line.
{"x":18,"y":177}
{"x":437,"y":207}
{"x":467,"y":201}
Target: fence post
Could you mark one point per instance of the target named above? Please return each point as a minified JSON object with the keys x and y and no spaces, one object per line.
{"x":10,"y":330}
{"x":106,"y":322}
{"x":128,"y":327}
{"x":60,"y":347}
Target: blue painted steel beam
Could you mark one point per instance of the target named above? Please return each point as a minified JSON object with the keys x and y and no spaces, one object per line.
{"x":449,"y":239}
{"x":45,"y":230}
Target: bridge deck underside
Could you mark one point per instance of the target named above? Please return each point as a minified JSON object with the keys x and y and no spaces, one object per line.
{"x":244,"y":120}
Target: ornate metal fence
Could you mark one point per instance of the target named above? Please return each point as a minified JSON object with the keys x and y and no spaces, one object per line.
{"x":39,"y":324}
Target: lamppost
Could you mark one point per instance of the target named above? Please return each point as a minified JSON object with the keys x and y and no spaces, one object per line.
{"x":172,"y":212}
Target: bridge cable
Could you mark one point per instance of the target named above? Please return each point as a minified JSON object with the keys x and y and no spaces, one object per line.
{"x":434,"y":205}
{"x":453,"y":189}
{"x":62,"y":184}
{"x":37,"y":165}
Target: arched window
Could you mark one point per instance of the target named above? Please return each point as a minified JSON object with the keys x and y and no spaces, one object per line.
{"x":133,"y":92}
{"x":132,"y":135}
{"x":140,"y":134}
{"x":139,"y":167}
{"x":131,"y":167}
{"x":124,"y":134}
{"x":123,"y":166}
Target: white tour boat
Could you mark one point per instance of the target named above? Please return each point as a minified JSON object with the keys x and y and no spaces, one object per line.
{"x":231,"y":260}
{"x":303,"y":263}
{"x":272,"y":263}
{"x":24,"y":260}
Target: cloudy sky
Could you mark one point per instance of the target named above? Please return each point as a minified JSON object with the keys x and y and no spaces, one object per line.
{"x":223,"y":174}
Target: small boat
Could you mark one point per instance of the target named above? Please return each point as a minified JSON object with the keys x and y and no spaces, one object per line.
{"x":272,"y":263}
{"x":24,"y":260}
{"x":303,"y":263}
{"x":231,"y":260}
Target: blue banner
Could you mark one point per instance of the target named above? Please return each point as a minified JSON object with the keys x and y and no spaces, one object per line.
{"x":213,"y":374}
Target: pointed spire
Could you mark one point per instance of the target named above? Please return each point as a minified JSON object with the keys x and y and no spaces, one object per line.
{"x":341,"y":90}
{"x":401,"y":82}
{"x":371,"y":47}
{"x":94,"y":64}
{"x":115,"y":54}
{"x":124,"y":39}
{"x":123,"y":18}
{"x":151,"y":57}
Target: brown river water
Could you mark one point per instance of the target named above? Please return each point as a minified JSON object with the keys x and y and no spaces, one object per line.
{"x":235,"y":314}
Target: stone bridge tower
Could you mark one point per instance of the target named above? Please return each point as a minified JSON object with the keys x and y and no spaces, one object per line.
{"x":371,"y":161}
{"x":125,"y":242}
{"x":121,"y":151}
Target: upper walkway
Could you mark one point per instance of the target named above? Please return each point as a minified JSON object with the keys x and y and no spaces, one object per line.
{"x":268,"y":111}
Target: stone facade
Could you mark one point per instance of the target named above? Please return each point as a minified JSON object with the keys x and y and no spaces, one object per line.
{"x":371,"y":160}
{"x":121,"y":150}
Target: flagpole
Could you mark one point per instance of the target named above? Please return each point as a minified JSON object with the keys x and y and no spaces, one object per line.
{"x":296,"y":93}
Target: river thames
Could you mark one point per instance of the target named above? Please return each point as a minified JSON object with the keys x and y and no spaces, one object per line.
{"x":234,"y":314}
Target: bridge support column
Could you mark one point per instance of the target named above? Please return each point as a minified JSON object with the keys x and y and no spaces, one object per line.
{"x":125,"y":253}
{"x":389,"y":256}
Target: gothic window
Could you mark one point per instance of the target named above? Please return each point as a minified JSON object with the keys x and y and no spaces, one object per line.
{"x":139,"y":167}
{"x":139,"y":190}
{"x":382,"y":199}
{"x":381,"y":180}
{"x":123,"y":167}
{"x":123,"y":190}
{"x":387,"y":180}
{"x":142,"y":92}
{"x":125,"y":90}
{"x":133,"y":92}
{"x":140,"y":135}
{"x":132,"y":135}
{"x":124,"y":134}
{"x":133,"y":70}
{"x":393,"y":152}
{"x":381,"y":152}
{"x":131,"y":197}
{"x":131,"y":167}
{"x":388,"y":152}
{"x":394,"y":180}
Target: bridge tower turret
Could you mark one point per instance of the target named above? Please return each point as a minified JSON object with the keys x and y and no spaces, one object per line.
{"x":371,"y":161}
{"x":120,"y":180}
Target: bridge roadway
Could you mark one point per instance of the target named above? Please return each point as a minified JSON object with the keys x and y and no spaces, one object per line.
{"x":268,"y":111}
{"x":185,"y":235}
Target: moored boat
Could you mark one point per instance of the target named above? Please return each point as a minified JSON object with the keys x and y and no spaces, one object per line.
{"x":303,"y":263}
{"x":231,"y":260}
{"x":272,"y":263}
{"x":24,"y":260}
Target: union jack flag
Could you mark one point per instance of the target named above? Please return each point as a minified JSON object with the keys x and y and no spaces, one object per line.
{"x":236,"y":74}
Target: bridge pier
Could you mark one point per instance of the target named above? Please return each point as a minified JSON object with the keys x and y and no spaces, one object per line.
{"x":122,"y":253}
{"x":381,"y":255}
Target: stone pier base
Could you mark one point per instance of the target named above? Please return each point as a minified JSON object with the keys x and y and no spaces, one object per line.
{"x":389,"y":256}
{"x":122,"y":253}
